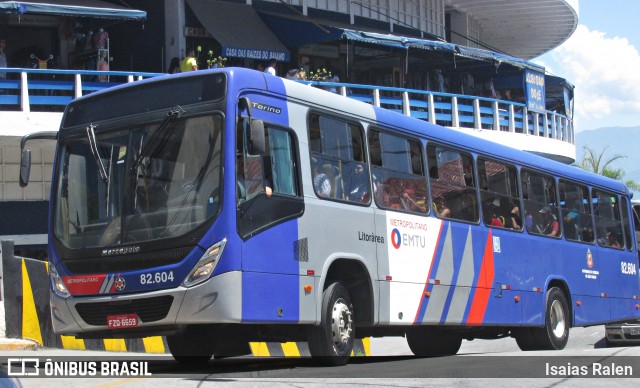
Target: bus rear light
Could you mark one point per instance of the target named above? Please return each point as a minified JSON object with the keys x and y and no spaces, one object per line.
{"x":308,"y":289}
{"x":578,"y":303}
{"x":57,"y":285}
{"x":537,"y":289}
{"x":388,"y":278}
{"x":205,"y":266}
{"x":434,"y":281}
{"x":604,"y":294}
{"x":516,"y":298}
{"x":505,"y":287}
{"x":310,"y":272}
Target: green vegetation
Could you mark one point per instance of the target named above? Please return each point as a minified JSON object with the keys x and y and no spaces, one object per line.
{"x":595,"y":161}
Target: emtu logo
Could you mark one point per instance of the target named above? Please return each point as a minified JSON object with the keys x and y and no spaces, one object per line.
{"x":396,"y":238}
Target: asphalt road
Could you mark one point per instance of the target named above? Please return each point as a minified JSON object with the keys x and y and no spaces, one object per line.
{"x":495,"y":363}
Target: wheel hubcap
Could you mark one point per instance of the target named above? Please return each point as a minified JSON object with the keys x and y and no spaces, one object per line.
{"x":557,"y":319}
{"x":341,"y":324}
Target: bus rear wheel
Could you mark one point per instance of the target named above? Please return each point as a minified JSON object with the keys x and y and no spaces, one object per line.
{"x":192,"y":346}
{"x":433,"y":342}
{"x":331,"y":342}
{"x":555,"y":333}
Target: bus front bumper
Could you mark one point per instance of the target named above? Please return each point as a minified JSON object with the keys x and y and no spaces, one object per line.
{"x":218,"y":300}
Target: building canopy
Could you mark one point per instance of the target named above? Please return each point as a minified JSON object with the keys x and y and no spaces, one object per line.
{"x":83,"y":8}
{"x":239,"y":30}
{"x":296,"y":31}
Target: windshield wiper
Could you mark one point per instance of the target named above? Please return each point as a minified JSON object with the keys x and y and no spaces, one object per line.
{"x":96,"y":155}
{"x":159,"y":136}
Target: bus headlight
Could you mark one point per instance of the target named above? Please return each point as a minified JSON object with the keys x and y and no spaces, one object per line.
{"x":57,"y":285}
{"x":205,"y":266}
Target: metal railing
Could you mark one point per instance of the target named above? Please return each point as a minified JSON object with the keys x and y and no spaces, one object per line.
{"x":50,"y":90}
{"x":462,"y":111}
{"x":29,"y":90}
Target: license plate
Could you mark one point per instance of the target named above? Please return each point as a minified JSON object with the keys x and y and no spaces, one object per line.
{"x":122,"y":321}
{"x":634,"y":331}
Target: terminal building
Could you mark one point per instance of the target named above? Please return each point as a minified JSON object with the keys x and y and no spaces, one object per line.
{"x":464,"y":64}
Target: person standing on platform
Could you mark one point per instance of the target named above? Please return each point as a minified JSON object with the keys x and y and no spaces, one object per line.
{"x":190,"y":63}
{"x":271,"y":69}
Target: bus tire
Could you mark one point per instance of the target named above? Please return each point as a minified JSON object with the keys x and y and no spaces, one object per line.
{"x":433,"y":342}
{"x":555,"y":333}
{"x":331,"y":342}
{"x":524,"y":339}
{"x":190,"y":347}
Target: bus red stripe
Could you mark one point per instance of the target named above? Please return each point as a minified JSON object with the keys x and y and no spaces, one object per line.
{"x":483,"y":286}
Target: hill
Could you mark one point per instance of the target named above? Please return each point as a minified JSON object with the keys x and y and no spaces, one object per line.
{"x":620,"y":140}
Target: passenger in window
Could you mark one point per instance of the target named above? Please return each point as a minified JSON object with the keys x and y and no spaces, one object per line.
{"x":493,"y":209}
{"x":587,"y":235}
{"x":528,"y":219}
{"x":571,"y":221}
{"x":321,"y":183}
{"x":359,"y":186}
{"x":515,"y":219}
{"x":550,"y":225}
{"x":440,"y":208}
{"x":411,"y":203}
{"x":495,"y":221}
{"x":612,"y":241}
{"x":267,"y":186}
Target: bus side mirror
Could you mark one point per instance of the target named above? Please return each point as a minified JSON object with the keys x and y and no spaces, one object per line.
{"x":256,"y":132}
{"x":25,"y":159}
{"x":25,"y":168}
{"x":257,"y":137}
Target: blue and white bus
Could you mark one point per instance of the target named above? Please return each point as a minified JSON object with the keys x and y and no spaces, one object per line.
{"x":227,"y":206}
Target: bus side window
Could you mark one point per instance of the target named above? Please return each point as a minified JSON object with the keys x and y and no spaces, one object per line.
{"x":397,"y":166}
{"x":540,"y":204}
{"x":575,"y":212}
{"x":499,"y":194}
{"x":339,"y":170}
{"x":452,"y":184}
{"x":626,"y":223}
{"x":268,"y":185}
{"x":608,"y":223}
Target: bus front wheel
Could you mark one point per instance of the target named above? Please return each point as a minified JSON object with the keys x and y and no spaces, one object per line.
{"x":332,"y":341}
{"x":555,"y":333}
{"x":432,"y":342}
{"x":192,"y":346}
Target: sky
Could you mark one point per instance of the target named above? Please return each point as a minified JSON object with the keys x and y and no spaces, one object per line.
{"x":601,"y":59}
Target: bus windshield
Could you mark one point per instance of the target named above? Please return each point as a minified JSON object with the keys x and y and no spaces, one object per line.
{"x":139,"y":183}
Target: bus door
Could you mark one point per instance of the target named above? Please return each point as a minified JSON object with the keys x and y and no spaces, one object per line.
{"x":617,"y":256}
{"x":269,"y":203}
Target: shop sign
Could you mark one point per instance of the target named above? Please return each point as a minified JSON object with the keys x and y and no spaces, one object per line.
{"x":318,"y":50}
{"x":196,"y":32}
{"x":534,"y":91}
{"x":261,"y":55}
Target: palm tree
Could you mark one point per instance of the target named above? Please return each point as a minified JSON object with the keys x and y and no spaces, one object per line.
{"x":595,"y":162}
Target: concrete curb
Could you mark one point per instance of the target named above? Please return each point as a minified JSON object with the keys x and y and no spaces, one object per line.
{"x":7,"y":344}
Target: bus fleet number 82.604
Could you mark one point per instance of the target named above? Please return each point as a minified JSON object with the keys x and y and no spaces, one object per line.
{"x":158,"y":277}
